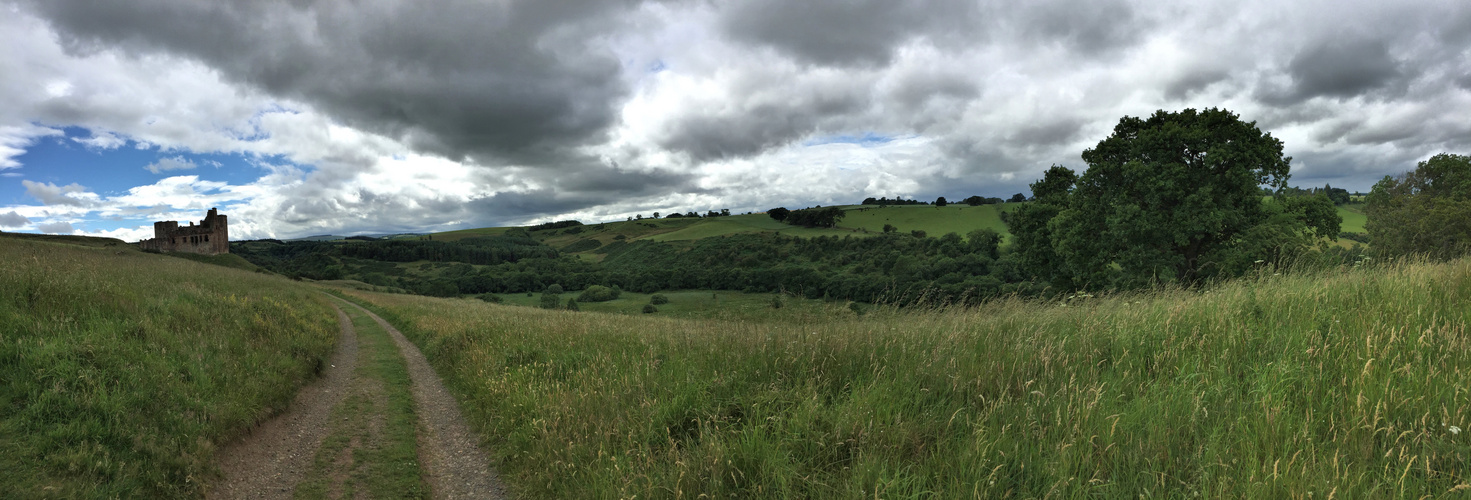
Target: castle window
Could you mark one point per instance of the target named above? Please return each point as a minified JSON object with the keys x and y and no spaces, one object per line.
{"x":206,"y":238}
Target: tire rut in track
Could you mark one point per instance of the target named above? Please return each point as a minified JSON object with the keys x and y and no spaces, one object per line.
{"x":277,"y":455}
{"x":449,"y":451}
{"x":271,"y":460}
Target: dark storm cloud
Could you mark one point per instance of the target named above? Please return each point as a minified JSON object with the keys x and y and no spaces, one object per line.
{"x":626,"y":183}
{"x":523,"y":80}
{"x":1355,"y":171}
{"x":1339,"y":68}
{"x":586,"y":188}
{"x":1086,"y":28}
{"x":760,"y":120}
{"x":598,"y":188}
{"x":1194,"y":81}
{"x":1047,"y":134}
{"x":840,"y":33}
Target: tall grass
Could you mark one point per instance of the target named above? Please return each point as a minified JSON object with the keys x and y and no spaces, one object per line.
{"x":1343,"y":384}
{"x":121,"y":371}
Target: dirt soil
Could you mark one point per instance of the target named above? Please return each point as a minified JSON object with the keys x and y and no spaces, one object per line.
{"x":274,"y":458}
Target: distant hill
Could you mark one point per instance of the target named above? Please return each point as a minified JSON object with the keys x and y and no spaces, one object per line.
{"x":88,"y":241}
{"x":859,"y":221}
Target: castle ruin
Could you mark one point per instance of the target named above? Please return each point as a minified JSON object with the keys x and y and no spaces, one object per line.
{"x":210,"y":237}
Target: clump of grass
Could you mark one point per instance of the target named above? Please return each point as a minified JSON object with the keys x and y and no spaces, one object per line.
{"x":1341,"y":384}
{"x":121,"y":371}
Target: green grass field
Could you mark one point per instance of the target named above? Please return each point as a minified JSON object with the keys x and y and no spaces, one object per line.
{"x":122,"y":371}
{"x":1353,"y":218}
{"x":1341,"y":384}
{"x":708,"y":304}
{"x":934,"y":221}
{"x":226,"y":260}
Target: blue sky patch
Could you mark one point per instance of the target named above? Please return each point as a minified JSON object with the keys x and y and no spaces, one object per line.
{"x":865,"y":139}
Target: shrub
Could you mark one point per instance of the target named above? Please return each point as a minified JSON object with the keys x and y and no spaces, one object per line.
{"x":599,"y":293}
{"x":650,"y":309}
{"x":554,"y":289}
{"x":582,"y":245}
{"x":489,"y":297}
{"x":572,"y":305}
{"x":550,"y":301}
{"x":658,"y":299}
{"x":776,"y":302}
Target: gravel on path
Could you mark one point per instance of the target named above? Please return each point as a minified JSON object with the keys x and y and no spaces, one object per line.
{"x":271,"y":460}
{"x":454,"y":465}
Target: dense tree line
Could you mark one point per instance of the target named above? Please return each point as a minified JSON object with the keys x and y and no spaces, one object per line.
{"x":896,"y":201}
{"x":976,"y":201}
{"x":1426,"y":211}
{"x":814,"y":217}
{"x":554,"y":225}
{"x":896,"y":268}
{"x":482,"y":250}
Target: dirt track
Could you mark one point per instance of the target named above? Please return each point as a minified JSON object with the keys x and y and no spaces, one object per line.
{"x":274,"y":458}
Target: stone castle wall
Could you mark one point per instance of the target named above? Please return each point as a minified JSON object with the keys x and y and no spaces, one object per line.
{"x":210,"y":237}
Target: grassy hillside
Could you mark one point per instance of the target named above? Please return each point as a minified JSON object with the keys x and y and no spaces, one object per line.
{"x":860,"y":221}
{"x":706,"y":304}
{"x":1353,"y":217}
{"x":121,"y":371}
{"x":1347,"y":384}
{"x":935,"y":221}
{"x":226,"y":260}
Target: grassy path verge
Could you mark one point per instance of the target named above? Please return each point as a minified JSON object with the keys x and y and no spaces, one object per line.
{"x":269,"y":462}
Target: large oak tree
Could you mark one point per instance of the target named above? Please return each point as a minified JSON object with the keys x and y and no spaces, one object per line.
{"x":1167,"y":199}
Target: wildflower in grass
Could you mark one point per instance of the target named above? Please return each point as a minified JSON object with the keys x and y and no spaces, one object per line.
{"x":1454,"y":430}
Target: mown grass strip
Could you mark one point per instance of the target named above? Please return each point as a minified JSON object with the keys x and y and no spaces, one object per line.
{"x":120,"y":371}
{"x":372,"y":446}
{"x":1345,"y":384}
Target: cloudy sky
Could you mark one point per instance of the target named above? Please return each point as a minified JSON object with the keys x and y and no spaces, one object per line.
{"x":306,"y":117}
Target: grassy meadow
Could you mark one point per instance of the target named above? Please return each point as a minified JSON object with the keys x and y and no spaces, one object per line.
{"x":1353,"y":218}
{"x":1341,"y":384}
{"x":934,"y":221}
{"x":121,"y":371}
{"x":707,"y":304}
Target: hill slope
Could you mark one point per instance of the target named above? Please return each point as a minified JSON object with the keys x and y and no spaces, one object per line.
{"x":121,"y":371}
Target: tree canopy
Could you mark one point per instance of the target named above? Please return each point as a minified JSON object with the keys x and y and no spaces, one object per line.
{"x":1169,"y":198}
{"x":1032,"y":241}
{"x":1427,"y":210}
